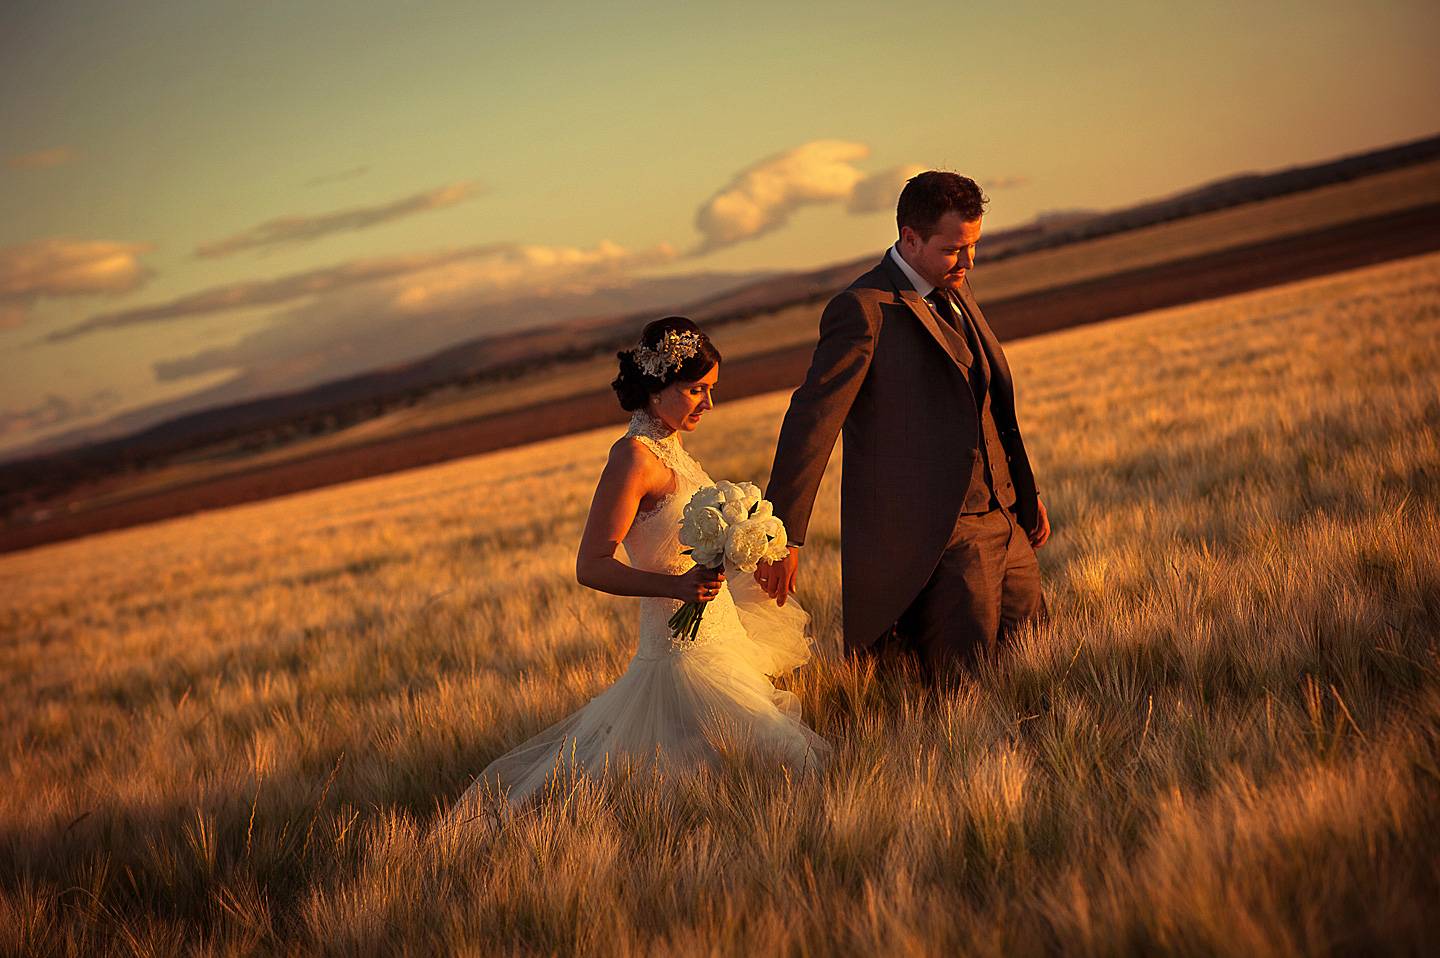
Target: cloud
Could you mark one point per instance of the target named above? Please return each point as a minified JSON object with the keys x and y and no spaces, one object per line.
{"x":540,"y":270}
{"x":53,"y":268}
{"x":412,"y":281}
{"x":264,"y":292}
{"x":878,"y":191}
{"x":1005,"y":182}
{"x":304,"y":229}
{"x":398,"y":319}
{"x":54,"y":410}
{"x":338,"y":176}
{"x":761,"y":197}
{"x":41,"y":159}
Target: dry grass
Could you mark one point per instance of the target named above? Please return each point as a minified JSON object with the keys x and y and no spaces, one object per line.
{"x":229,"y":733}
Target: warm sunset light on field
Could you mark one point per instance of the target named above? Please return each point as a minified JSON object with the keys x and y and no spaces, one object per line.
{"x":243,"y":722}
{"x":368,"y":371}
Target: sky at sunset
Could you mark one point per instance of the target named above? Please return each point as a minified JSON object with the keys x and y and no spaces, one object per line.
{"x":256,"y":196}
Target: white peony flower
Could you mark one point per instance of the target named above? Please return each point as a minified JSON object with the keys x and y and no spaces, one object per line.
{"x":755,"y":539}
{"x":738,"y":499}
{"x":704,"y":530}
{"x":706,"y":497}
{"x":744,"y":546}
{"x":779,"y":540}
{"x":750,"y":494}
{"x":710,"y":560}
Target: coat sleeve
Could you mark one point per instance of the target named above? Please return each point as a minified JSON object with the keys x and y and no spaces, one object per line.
{"x":818,"y":409}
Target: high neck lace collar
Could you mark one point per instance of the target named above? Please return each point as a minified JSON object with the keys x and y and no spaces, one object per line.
{"x":642,"y":423}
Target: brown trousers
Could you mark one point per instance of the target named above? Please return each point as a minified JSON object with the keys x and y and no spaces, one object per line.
{"x":986,"y":585}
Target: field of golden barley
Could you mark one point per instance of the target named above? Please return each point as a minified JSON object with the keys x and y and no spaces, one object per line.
{"x":231,"y":733}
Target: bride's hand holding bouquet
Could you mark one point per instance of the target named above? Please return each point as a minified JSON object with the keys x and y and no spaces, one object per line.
{"x":727,"y":526}
{"x":700,"y":584}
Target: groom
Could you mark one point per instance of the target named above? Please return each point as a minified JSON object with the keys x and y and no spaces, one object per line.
{"x":939,"y":515}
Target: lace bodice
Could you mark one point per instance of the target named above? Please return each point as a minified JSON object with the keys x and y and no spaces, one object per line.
{"x":653,"y":542}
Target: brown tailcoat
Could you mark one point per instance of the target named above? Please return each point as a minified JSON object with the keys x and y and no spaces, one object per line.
{"x":884,"y":371}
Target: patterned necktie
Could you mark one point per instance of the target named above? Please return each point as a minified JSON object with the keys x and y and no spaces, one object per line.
{"x":959,"y":320}
{"x":945,"y":308}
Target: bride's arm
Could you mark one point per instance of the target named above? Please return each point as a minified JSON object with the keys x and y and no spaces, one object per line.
{"x":632,"y":473}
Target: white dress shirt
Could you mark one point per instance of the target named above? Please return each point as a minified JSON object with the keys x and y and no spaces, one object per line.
{"x":922,"y":287}
{"x":925,"y":289}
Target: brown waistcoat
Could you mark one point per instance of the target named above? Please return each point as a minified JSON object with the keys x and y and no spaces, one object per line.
{"x":989,"y":485}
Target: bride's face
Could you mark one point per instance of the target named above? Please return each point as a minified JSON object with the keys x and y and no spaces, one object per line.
{"x":681,"y":404}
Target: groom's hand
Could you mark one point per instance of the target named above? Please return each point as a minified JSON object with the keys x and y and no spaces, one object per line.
{"x":1041,"y":535}
{"x":778,"y":578}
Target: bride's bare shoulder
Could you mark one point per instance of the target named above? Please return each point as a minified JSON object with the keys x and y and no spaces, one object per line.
{"x":629,"y":456}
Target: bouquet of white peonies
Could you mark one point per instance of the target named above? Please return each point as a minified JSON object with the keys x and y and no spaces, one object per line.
{"x":727,"y":525}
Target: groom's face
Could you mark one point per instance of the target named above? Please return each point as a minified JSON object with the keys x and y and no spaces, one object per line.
{"x":949,"y":253}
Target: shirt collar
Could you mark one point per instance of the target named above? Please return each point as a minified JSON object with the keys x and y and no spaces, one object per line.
{"x":921,"y":286}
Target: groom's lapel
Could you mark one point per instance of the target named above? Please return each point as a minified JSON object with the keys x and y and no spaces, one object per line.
{"x":953,"y":345}
{"x":999,"y":369}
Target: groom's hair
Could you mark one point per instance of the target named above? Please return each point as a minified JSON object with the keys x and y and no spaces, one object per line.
{"x":930,"y":195}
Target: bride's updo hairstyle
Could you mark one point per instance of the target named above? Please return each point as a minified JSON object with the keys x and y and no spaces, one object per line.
{"x":635,"y":385}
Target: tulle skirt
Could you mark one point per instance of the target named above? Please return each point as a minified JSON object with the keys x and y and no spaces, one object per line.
{"x":675,"y":710}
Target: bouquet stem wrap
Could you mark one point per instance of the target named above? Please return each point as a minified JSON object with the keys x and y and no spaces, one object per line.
{"x":685,"y":623}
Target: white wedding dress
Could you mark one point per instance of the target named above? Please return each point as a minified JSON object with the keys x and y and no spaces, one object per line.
{"x":679,"y":702}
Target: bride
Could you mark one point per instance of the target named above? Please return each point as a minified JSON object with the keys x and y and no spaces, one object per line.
{"x":681,"y":702}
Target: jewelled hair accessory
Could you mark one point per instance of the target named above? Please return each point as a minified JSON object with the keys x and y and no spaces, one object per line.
{"x":669,"y":353}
